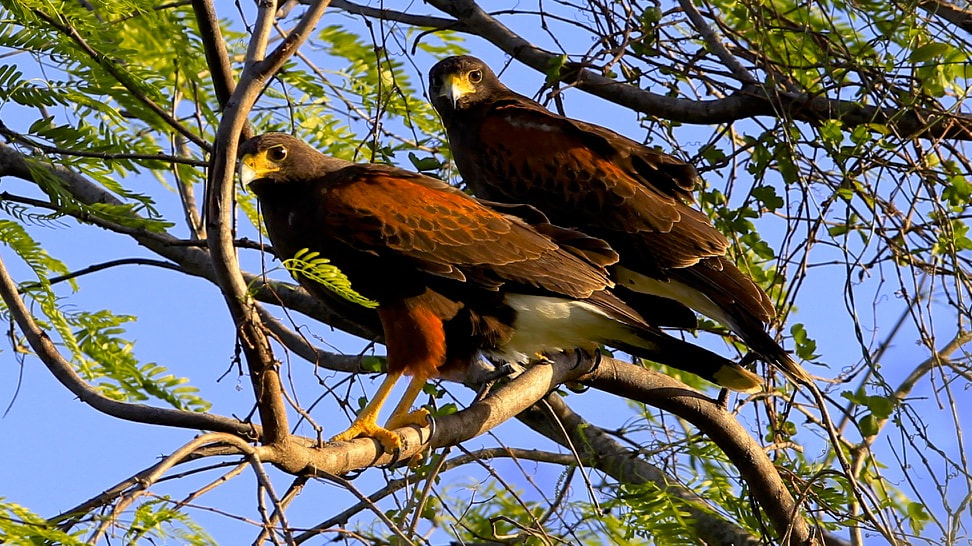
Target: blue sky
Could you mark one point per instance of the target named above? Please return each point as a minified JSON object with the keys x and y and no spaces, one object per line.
{"x":60,"y":452}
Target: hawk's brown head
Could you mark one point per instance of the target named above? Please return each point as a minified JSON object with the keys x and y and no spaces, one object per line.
{"x":278,"y":158}
{"x":458,"y":83}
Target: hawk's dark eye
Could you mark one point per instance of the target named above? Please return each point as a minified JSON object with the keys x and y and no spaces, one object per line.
{"x":277,"y":153}
{"x":435,"y":82}
{"x":476,"y":76}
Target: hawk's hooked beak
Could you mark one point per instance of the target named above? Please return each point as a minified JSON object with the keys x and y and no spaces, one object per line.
{"x":255,"y":166}
{"x":247,"y":172}
{"x":454,"y":87}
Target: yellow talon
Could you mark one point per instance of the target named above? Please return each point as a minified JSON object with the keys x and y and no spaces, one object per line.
{"x":368,"y":428}
{"x":418,"y":417}
{"x":366,"y":424}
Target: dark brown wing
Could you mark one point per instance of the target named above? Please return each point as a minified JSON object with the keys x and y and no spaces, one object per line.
{"x":444,"y":232}
{"x":635,"y":198}
{"x":658,"y":311}
{"x":590,"y":179}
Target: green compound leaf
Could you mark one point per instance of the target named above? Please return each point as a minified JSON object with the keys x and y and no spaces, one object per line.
{"x":312,"y":266}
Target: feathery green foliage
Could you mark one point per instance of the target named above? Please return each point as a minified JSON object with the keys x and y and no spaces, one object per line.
{"x":118,"y":96}
{"x":21,"y":527}
{"x":312,"y":266}
{"x":160,"y":519}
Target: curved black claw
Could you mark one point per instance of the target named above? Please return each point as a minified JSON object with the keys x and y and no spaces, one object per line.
{"x":580,"y":358}
{"x":418,"y":457}
{"x":431,"y":421}
{"x":503,"y":370}
{"x":596,"y":360}
{"x":396,"y":459}
{"x":722,"y":401}
{"x":500,"y":371}
{"x":576,"y":386}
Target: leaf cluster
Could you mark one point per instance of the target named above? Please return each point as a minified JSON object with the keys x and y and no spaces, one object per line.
{"x":310,"y":265}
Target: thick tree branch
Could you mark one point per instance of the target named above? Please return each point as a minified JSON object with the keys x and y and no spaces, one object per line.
{"x":303,"y":456}
{"x":219,"y":207}
{"x":500,"y":406}
{"x":426,"y":21}
{"x":721,"y":427}
{"x":960,"y":17}
{"x":214,"y":46}
{"x":748,"y":102}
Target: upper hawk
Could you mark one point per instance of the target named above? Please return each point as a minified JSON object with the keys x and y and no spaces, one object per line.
{"x":510,"y":148}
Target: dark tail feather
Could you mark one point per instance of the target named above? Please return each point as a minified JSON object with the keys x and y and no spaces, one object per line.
{"x":659,"y":311}
{"x":740,"y":305}
{"x":685,"y":356}
{"x":764,"y":345}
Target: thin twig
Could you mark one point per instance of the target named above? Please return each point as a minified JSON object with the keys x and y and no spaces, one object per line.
{"x":68,"y":518}
{"x":278,"y":509}
{"x":62,"y":370}
{"x":236,"y":471}
{"x":371,"y":506}
{"x":101,"y":267}
{"x":175,"y":458}
{"x":295,"y":488}
{"x":54,"y":150}
{"x":715,"y":45}
{"x":424,"y":496}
